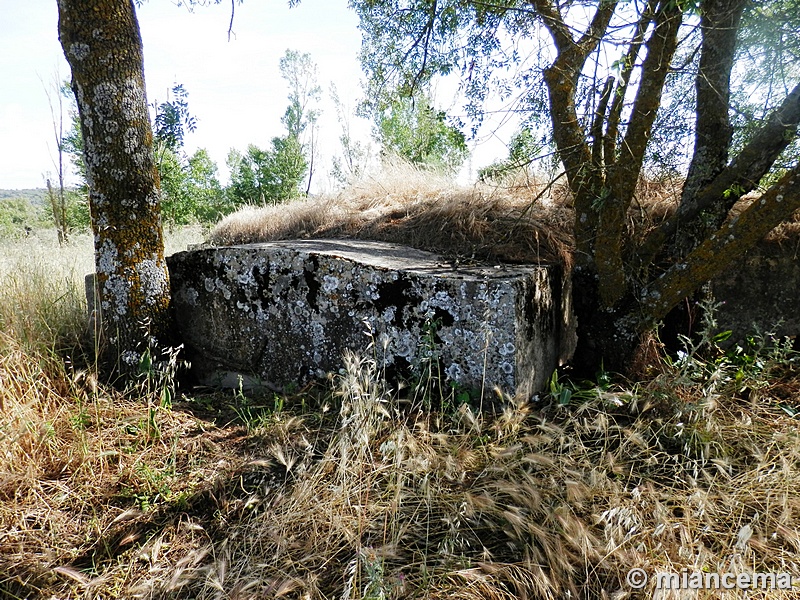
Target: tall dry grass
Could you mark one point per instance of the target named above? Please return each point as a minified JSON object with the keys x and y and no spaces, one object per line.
{"x":69,"y":448}
{"x":521,"y":219}
{"x":685,"y":472}
{"x":111,"y":496}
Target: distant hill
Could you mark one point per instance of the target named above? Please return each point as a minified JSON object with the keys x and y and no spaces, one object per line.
{"x":21,"y":210}
{"x":37,"y":197}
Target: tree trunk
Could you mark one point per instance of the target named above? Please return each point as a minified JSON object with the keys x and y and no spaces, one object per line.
{"x":713,"y":131}
{"x":103,"y":47}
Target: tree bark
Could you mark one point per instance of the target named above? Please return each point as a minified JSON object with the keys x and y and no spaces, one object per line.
{"x":624,"y":173}
{"x":103,"y":46}
{"x":573,"y":149}
{"x":741,"y":176}
{"x":713,"y":131}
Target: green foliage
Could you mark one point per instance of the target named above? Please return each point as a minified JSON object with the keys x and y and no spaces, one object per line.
{"x":210,"y":203}
{"x":522,"y":151}
{"x":176,"y":203}
{"x":300,"y":74}
{"x":566,"y":392}
{"x":267,"y":176}
{"x":301,"y":116}
{"x":73,"y":145}
{"x":273,"y":175}
{"x":77,"y":214}
{"x":734,"y":369}
{"x":408,"y":44}
{"x":190,"y":189}
{"x":173,"y":119}
{"x":768,"y":56}
{"x":413,"y":129}
{"x":18,"y":213}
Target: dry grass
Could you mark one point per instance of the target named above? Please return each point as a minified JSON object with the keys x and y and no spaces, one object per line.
{"x":360,"y":496}
{"x":520,"y":220}
{"x":74,"y":456}
{"x":518,"y":223}
{"x":552,"y":502}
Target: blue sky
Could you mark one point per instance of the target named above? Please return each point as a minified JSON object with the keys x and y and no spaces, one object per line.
{"x":235,"y":88}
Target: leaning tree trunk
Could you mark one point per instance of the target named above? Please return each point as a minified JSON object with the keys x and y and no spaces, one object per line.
{"x":103,"y":47}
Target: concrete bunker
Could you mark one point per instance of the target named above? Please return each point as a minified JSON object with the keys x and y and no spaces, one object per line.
{"x":283,"y":313}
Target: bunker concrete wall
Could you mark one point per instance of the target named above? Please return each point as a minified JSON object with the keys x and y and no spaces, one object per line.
{"x":285,"y":312}
{"x":761,"y":292}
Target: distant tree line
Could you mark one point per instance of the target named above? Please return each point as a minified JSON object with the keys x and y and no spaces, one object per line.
{"x":408,"y":126}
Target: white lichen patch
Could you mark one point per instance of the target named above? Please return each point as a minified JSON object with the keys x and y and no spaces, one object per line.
{"x":79,"y":51}
{"x":191,"y":296}
{"x":106,"y":257}
{"x":131,"y":141}
{"x":116,"y":294}
{"x":104,"y":96}
{"x":133,"y":97}
{"x":329,"y":283}
{"x":153,"y":281}
{"x":507,"y":349}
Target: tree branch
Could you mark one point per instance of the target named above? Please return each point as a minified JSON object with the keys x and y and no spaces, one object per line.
{"x":713,"y":130}
{"x":597,"y":125}
{"x":614,"y":115}
{"x":624,"y":174}
{"x":721,"y":249}
{"x":738,"y":178}
{"x":562,"y":80}
{"x":555,"y":25}
{"x":230,"y":25}
{"x":661,"y":48}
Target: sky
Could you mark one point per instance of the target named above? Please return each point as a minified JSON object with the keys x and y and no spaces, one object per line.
{"x":235,"y":89}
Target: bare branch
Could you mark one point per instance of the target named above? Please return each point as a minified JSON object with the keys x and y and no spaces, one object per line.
{"x":713,"y":130}
{"x":230,"y":25}
{"x":614,"y":115}
{"x":597,"y":124}
{"x":555,"y":25}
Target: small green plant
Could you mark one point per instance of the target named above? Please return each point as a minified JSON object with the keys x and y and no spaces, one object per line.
{"x":154,"y":487}
{"x":81,"y":419}
{"x":567,"y":392}
{"x":255,"y":416}
{"x":744,"y":367}
{"x":375,"y":585}
{"x":156,"y":386}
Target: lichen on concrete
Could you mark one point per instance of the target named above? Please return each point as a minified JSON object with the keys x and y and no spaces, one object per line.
{"x":285,"y":312}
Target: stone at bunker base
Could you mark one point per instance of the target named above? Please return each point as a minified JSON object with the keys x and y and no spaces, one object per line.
{"x":283,"y":313}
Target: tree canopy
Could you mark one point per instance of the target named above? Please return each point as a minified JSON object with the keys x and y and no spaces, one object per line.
{"x":616,"y":86}
{"x":413,"y":129}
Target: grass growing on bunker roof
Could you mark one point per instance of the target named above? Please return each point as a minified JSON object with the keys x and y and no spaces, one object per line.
{"x":402,"y":204}
{"x":521,"y":219}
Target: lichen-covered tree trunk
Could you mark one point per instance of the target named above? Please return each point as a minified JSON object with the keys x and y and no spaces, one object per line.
{"x":103,"y":47}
